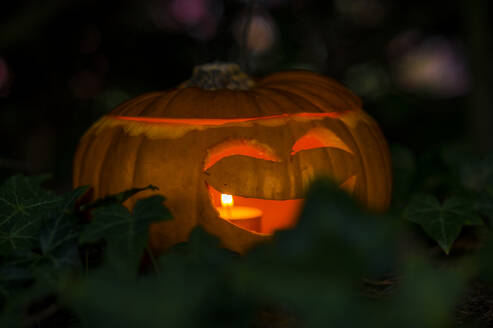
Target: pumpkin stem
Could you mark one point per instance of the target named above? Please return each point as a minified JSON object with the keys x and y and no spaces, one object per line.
{"x":216,"y":76}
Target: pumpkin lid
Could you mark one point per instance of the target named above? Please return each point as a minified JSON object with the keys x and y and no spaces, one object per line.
{"x":223,"y":91}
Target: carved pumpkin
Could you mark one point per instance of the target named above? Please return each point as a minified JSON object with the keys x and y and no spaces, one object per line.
{"x":222,"y":133}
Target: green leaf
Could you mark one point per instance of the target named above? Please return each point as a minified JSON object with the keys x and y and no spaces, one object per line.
{"x":442,"y":222}
{"x":201,"y":251}
{"x":147,"y":302}
{"x":186,"y":291}
{"x":58,"y":237}
{"x":24,"y":205}
{"x":332,"y":226}
{"x":126,"y":233}
{"x":116,"y":198}
{"x":315,"y":269}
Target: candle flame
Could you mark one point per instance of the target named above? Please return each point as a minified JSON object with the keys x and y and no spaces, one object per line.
{"x":226,"y":200}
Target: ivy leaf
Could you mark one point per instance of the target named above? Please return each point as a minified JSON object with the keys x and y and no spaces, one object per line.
{"x":24,"y":205}
{"x":114,"y":222}
{"x":200,"y":252}
{"x":116,"y":198}
{"x":442,"y":222}
{"x":125,"y":232}
{"x":59,"y":235}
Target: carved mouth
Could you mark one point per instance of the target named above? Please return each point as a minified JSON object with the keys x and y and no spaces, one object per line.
{"x":275,"y":214}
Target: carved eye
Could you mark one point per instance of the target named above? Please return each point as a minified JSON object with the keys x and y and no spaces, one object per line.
{"x":245,"y":147}
{"x":319,"y":138}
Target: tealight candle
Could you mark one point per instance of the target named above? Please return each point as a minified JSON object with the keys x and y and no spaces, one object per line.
{"x":243,"y":216}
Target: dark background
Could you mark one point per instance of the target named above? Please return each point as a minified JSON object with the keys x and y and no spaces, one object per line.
{"x":422,"y":67}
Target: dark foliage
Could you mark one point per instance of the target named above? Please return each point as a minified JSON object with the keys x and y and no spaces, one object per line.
{"x":336,"y":261}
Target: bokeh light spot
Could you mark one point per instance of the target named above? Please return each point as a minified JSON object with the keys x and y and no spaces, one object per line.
{"x":189,"y":12}
{"x":198,"y":18}
{"x":261,"y":35}
{"x":435,"y":66}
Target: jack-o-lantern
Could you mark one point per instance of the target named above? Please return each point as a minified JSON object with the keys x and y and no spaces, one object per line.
{"x":258,"y":144}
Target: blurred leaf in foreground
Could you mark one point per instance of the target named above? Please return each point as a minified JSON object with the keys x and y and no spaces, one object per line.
{"x":442,"y":222}
{"x":316,"y":270}
{"x":126,"y":233}
{"x":200,"y":252}
{"x":189,"y":289}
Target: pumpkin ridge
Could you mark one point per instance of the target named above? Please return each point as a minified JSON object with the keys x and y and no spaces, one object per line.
{"x":312,"y":78}
{"x":255,"y":103}
{"x":129,"y":105}
{"x":290,"y":95}
{"x":103,"y":185}
{"x":138,"y":149}
{"x":334,"y":88}
{"x":209,"y":103}
{"x":314,"y":98}
{"x":266,"y":95}
{"x":340,"y":93}
{"x":160,"y":104}
{"x":141,"y":106}
{"x":152,"y":104}
{"x":294,"y":97}
{"x":361,"y":160}
{"x":375,"y":201}
{"x":372,"y":187}
{"x":100,"y":149}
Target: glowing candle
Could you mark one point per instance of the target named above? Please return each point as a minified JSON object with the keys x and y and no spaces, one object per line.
{"x":243,"y":216}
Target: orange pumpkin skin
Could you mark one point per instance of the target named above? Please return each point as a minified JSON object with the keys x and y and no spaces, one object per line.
{"x":178,"y":140}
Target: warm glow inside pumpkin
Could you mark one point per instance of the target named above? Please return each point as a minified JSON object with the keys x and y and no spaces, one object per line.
{"x":276,"y":214}
{"x":262,"y":145}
